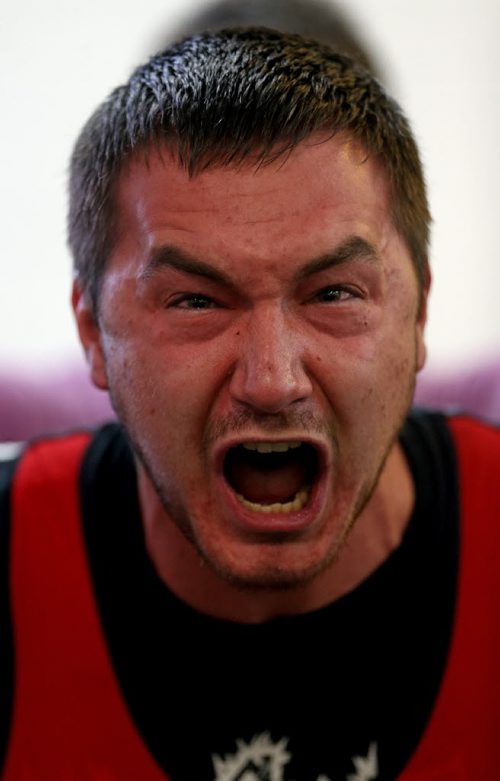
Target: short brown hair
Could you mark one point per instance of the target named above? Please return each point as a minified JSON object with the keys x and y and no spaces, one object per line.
{"x":219,"y":98}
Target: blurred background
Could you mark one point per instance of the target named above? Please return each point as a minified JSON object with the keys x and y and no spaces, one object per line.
{"x":59,"y":59}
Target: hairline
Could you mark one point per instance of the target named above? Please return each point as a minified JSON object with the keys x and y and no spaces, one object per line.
{"x":171,"y":145}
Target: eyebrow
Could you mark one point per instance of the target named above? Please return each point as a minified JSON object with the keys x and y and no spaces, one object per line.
{"x":354,"y":248}
{"x":171,"y":257}
{"x":168,"y":256}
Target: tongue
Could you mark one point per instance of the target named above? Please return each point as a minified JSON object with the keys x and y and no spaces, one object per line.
{"x":267,"y":482}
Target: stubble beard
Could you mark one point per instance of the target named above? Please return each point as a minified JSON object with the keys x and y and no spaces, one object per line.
{"x":275,"y":579}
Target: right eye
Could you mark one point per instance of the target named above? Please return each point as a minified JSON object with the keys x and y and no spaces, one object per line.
{"x":335,"y":294}
{"x":192,"y":301}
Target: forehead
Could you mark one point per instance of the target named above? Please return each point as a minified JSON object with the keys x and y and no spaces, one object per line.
{"x":320,"y":187}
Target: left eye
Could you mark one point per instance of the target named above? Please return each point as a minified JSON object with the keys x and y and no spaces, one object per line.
{"x":193,"y":301}
{"x":333,"y":294}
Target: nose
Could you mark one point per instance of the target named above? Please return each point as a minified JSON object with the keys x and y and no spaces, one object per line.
{"x":269,"y":375}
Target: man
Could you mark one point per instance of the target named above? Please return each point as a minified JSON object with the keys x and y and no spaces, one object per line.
{"x":269,"y":575}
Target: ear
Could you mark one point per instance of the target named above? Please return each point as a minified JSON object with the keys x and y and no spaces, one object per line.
{"x":90,"y":336}
{"x":422,"y":319}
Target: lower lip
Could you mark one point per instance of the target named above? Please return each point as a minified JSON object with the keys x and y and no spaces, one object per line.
{"x":271,"y":523}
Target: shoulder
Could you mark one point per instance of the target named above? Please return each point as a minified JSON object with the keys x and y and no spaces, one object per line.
{"x":46,"y":461}
{"x":459,"y":452}
{"x":475,"y":431}
{"x":469,"y":437}
{"x":477,"y":445}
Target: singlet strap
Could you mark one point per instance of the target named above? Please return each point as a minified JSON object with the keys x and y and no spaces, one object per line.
{"x":69,"y":718}
{"x":461,"y":738}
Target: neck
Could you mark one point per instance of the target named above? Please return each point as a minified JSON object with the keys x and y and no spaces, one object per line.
{"x":376,"y":533}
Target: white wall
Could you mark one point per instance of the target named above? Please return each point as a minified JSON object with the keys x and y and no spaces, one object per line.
{"x":60,"y":58}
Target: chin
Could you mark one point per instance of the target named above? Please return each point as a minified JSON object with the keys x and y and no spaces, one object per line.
{"x":279,"y":565}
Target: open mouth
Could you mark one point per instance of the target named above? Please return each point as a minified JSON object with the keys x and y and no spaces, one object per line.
{"x":272,"y":477}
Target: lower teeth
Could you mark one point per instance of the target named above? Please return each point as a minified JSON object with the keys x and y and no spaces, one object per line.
{"x":300,"y":501}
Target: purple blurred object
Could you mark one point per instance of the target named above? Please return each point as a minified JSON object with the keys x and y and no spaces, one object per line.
{"x":46,"y":400}
{"x":474,"y":389}
{"x":43,"y":401}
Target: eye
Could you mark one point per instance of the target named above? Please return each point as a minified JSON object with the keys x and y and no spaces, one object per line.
{"x":334,"y":294}
{"x":192,"y":301}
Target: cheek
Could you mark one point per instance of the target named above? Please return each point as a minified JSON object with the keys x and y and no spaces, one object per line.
{"x":390,"y":350}
{"x":370,"y":373}
{"x":130,"y":382}
{"x":390,"y":381}
{"x":168,"y":389}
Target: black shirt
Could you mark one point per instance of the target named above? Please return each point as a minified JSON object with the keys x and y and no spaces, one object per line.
{"x":343,"y":692}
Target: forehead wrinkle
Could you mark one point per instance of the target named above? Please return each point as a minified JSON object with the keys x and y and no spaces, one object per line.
{"x":263,"y":221}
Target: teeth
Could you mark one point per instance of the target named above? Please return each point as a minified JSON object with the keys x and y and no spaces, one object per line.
{"x":271,"y":447}
{"x":300,"y":501}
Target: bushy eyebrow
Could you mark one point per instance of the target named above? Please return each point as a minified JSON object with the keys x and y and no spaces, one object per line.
{"x":172,"y":257}
{"x":354,"y":248}
{"x":168,"y":256}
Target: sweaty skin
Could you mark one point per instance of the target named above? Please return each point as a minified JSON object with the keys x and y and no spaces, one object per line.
{"x":251,"y":305}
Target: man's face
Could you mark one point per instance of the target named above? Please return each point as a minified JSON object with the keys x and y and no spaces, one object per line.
{"x":259,"y":335}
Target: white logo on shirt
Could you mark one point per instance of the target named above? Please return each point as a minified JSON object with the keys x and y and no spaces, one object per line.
{"x":263,"y":760}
